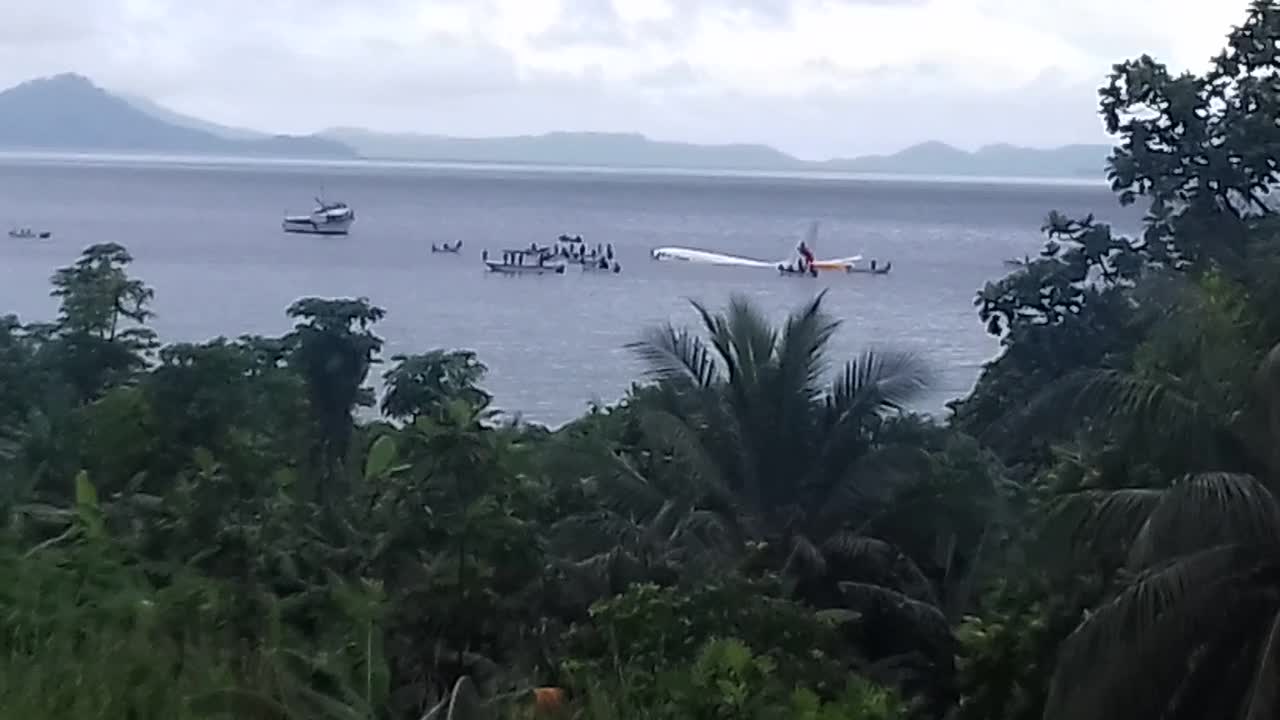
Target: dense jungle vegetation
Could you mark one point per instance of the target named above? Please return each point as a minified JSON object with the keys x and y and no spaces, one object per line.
{"x":240,"y":529}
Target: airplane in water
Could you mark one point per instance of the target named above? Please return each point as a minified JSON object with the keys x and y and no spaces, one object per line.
{"x":709,"y":257}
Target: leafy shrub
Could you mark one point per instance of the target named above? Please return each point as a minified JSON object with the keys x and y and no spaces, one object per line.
{"x":649,"y":628}
{"x":727,"y":681}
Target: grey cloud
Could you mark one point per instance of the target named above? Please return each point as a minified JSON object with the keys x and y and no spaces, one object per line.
{"x":54,"y":23}
{"x":781,"y":10}
{"x":672,"y":76}
{"x":584,"y":23}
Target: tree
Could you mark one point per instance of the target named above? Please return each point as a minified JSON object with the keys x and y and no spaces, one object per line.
{"x":1203,"y":149}
{"x":796,"y":464}
{"x":424,"y":384}
{"x":1194,"y":632}
{"x":232,"y":399}
{"x":746,"y":414}
{"x":100,"y":338}
{"x":1074,"y":307}
{"x":332,"y":348}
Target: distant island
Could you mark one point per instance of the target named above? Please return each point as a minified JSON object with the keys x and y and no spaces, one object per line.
{"x":69,"y":113}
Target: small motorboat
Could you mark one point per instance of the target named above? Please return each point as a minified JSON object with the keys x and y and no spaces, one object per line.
{"x":524,"y":262}
{"x":447,"y":248}
{"x":798,"y":269}
{"x":27,"y":233}
{"x":328,"y":218}
{"x":1018,"y":262}
{"x":599,"y":259}
{"x":872,"y":269}
{"x":603,"y":265}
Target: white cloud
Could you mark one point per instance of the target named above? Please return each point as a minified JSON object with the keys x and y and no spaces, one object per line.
{"x":820,"y":77}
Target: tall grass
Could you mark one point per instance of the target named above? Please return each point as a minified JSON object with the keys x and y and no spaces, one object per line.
{"x":85,"y":635}
{"x":110,"y":673}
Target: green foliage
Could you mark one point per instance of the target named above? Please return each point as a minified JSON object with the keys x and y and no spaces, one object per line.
{"x":332,"y":349}
{"x":423,"y":384}
{"x":727,"y":681}
{"x":754,"y":532}
{"x":649,"y":627}
{"x":100,"y":338}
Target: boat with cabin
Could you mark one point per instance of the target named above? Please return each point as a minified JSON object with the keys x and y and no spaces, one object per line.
{"x":533,"y":261}
{"x":327,"y":218}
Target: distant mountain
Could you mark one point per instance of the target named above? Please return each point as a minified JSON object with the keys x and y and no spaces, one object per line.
{"x":160,"y":112}
{"x":935,"y":158}
{"x":630,"y":150}
{"x":564,"y":148}
{"x":69,"y":113}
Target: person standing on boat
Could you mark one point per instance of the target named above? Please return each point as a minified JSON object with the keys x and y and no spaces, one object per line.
{"x":806,"y":254}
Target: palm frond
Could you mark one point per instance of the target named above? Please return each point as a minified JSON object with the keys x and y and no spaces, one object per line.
{"x":879,"y":476}
{"x":802,"y":350}
{"x":676,"y":356}
{"x":664,"y":524}
{"x":1092,"y":520}
{"x":754,"y":337}
{"x":666,"y":431}
{"x":1263,"y":699}
{"x":898,"y":609}
{"x":861,"y":549}
{"x":582,"y":582}
{"x":624,"y":489}
{"x":1159,"y":606}
{"x":586,"y":534}
{"x":1149,"y":405}
{"x":871,"y":558}
{"x":878,"y":381}
{"x":717,"y":532}
{"x":805,"y":560}
{"x":1204,"y":511}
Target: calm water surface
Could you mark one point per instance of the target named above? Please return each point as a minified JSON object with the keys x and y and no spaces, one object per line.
{"x":207,"y":237}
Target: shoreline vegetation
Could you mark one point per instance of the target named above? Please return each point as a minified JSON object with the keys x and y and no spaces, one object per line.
{"x":757,"y":531}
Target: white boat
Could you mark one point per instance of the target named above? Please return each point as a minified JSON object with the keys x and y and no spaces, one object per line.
{"x":872,"y":269}
{"x":328,"y":218}
{"x":524,"y":262}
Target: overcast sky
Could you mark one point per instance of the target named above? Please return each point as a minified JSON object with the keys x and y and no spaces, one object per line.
{"x":817,"y":78}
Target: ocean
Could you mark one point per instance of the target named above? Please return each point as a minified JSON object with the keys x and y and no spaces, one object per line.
{"x":206,"y":235}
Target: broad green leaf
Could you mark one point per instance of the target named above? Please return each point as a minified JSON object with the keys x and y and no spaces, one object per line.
{"x":86,"y":493}
{"x":87,"y":507}
{"x":381,"y":454}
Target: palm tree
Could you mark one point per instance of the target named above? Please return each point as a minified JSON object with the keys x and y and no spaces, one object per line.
{"x":1194,"y":628}
{"x":746,"y":415}
{"x":793,"y":466}
{"x":1195,"y":631}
